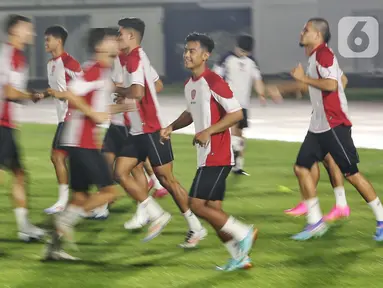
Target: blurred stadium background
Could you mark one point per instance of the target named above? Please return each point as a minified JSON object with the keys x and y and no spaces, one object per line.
{"x":275,"y":24}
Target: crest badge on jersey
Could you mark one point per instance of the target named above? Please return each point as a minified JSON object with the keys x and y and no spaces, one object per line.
{"x":193,"y":94}
{"x":53,"y":69}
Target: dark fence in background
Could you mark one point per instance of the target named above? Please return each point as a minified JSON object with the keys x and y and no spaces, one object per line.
{"x":221,"y":24}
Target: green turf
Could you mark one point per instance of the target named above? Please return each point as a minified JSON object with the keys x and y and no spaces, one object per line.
{"x":112,"y":257}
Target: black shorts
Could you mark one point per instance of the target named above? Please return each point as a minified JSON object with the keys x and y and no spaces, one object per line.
{"x":210,"y":183}
{"x":88,"y":167}
{"x":243,"y":123}
{"x":337,"y":141}
{"x":117,"y":141}
{"x":57,"y":139}
{"x":9,"y":149}
{"x":149,"y":146}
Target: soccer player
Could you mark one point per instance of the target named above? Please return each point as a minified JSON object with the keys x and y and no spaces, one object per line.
{"x":88,"y":103}
{"x":213,"y":109}
{"x":13,"y":81}
{"x":330,"y":128}
{"x":145,"y":130}
{"x":241,"y":72}
{"x":62,"y":68}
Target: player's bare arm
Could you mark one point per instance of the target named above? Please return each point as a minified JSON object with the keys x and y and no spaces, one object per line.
{"x":129,"y":105}
{"x":135,"y":91}
{"x":14,"y":94}
{"x":298,"y":74}
{"x":159,"y":85}
{"x":184,"y":120}
{"x":202,"y":138}
{"x":344,"y":81}
{"x":259,"y":87}
{"x":80,"y":104}
{"x":226,"y":122}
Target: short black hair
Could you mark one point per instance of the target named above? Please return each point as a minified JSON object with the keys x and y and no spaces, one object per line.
{"x":97,"y":35}
{"x":134,"y":23}
{"x":13,"y":20}
{"x":57,"y":31}
{"x":323,"y":27}
{"x":245,"y":42}
{"x":204,"y":40}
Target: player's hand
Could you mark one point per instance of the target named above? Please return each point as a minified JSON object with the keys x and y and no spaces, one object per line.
{"x":100,"y":117}
{"x":37,"y":96}
{"x":202,"y":138}
{"x":52,"y":92}
{"x":165,"y":134}
{"x":262,"y":100}
{"x":274,"y":94}
{"x":298,"y":73}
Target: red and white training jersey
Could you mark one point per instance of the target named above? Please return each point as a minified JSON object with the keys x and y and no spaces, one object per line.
{"x":13,"y":72}
{"x":60,"y":71}
{"x":120,"y":76}
{"x":208,"y":99}
{"x":139,"y":71}
{"x":329,"y":108}
{"x":95,"y":86}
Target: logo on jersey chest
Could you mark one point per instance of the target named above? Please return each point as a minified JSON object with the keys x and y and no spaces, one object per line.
{"x":241,"y":66}
{"x":53,"y":69}
{"x":193,"y":94}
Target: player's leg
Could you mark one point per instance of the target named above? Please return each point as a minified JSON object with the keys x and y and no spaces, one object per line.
{"x":10,"y":160}
{"x":306,"y":158}
{"x":238,"y":143}
{"x":58,"y":159}
{"x":301,"y":208}
{"x":161,"y":159}
{"x":153,"y":181}
{"x":342,"y":149}
{"x":229,"y":242}
{"x":340,"y":209}
{"x":209,"y":185}
{"x":148,"y":210}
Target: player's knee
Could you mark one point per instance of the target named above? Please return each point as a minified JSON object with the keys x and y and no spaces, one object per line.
{"x":197,"y":206}
{"x":350,"y":172}
{"x":57,"y":158}
{"x":300,"y":170}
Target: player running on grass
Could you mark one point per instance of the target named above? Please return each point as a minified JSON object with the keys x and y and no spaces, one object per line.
{"x":340,"y":209}
{"x":61,"y":69}
{"x":145,"y":130}
{"x":330,"y":129}
{"x":213,"y":109}
{"x":89,"y":105}
{"x":13,"y":81}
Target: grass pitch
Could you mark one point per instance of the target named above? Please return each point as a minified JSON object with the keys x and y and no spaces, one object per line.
{"x":113,"y":257}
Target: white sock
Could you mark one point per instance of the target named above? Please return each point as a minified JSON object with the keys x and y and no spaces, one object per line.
{"x":232,"y":248}
{"x":153,"y":209}
{"x":21,"y":215}
{"x":236,"y":229}
{"x":340,"y":196}
{"x":72,"y":215}
{"x":193,"y":221}
{"x":239,"y":163}
{"x":314,"y":214}
{"x":157,"y":184}
{"x":377,"y":208}
{"x":63,"y":193}
{"x":236,"y":143}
